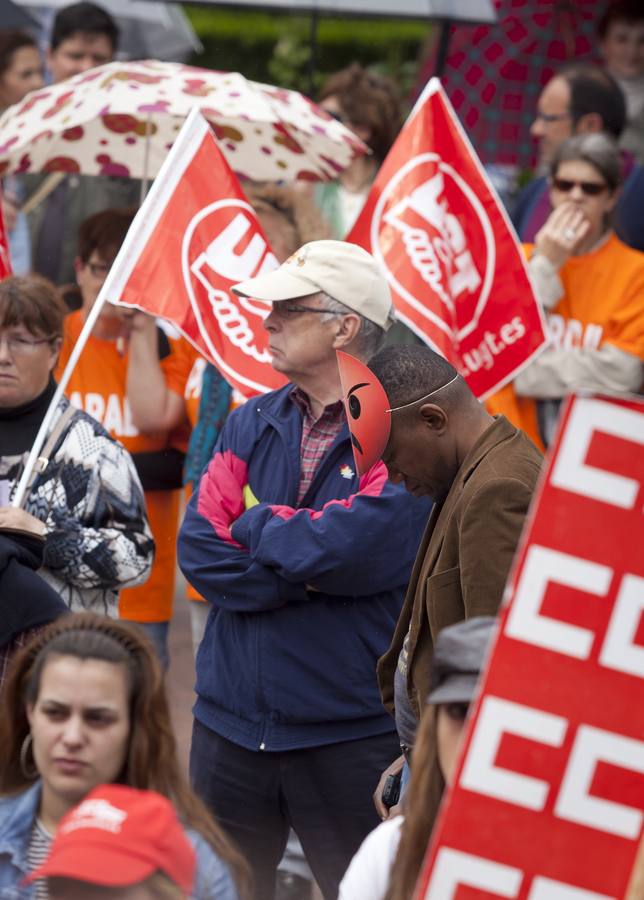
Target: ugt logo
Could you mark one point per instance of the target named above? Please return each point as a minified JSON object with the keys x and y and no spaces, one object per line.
{"x":221,"y":247}
{"x":435,"y":242}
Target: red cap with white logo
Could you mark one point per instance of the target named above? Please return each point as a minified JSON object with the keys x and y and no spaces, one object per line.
{"x":119,"y":836}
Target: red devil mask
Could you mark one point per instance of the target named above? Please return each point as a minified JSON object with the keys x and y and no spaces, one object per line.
{"x":367,"y":409}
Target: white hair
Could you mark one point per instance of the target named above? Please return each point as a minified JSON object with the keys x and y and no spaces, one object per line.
{"x":370,"y":337}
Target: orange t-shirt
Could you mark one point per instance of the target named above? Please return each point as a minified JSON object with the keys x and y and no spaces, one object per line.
{"x":98,"y":385}
{"x":603,"y":303}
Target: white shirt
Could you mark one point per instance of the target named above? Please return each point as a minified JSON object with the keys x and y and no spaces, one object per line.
{"x":367,"y":877}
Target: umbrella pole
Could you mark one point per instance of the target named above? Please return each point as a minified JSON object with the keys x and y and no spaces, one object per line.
{"x":313,"y":56}
{"x":146,"y":162}
{"x":45,"y":426}
{"x":443,"y":47}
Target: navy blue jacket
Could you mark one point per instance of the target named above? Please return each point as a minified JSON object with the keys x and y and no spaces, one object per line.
{"x":304,"y":599}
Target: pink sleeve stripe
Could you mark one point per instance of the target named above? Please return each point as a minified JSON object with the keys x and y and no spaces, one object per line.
{"x":371,"y":485}
{"x":220,"y":499}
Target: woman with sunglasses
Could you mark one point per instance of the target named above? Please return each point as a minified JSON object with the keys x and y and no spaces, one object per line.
{"x":591,"y":287}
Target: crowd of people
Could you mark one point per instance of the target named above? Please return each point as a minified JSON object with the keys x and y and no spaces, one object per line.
{"x":339,"y":620}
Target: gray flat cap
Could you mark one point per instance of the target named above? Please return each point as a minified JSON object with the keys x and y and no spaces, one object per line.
{"x":459,"y":656}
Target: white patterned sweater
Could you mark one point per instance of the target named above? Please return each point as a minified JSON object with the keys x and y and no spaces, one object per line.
{"x":90,"y":497}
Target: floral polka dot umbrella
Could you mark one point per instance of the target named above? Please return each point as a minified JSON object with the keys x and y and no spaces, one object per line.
{"x":122,"y":118}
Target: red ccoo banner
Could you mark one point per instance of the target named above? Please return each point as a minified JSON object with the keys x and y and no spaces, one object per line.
{"x":548,"y":797}
{"x":448,"y":250}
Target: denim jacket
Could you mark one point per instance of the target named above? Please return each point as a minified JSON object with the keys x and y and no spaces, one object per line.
{"x":17,"y":815}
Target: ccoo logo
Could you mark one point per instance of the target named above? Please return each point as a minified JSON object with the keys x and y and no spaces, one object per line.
{"x":221,"y":247}
{"x":435,"y":243}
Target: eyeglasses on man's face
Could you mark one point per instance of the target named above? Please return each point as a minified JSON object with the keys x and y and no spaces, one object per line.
{"x":287,"y":310}
{"x":548,"y":118}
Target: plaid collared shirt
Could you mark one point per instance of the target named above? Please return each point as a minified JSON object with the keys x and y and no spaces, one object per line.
{"x":317,"y":436}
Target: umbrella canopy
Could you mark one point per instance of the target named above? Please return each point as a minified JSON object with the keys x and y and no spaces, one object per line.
{"x":122,"y":118}
{"x":456,"y":10}
{"x":494,"y":73}
{"x":147,"y":27}
{"x":11,"y":16}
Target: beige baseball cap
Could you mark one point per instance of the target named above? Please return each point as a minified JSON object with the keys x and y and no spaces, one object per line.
{"x":344,"y":271}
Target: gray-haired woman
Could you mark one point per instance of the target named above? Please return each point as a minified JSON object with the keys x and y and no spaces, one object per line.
{"x":590,"y":285}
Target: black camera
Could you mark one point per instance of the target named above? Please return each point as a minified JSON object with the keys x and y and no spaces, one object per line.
{"x":391,"y":791}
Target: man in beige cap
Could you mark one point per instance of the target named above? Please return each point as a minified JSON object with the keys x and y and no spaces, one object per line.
{"x":304,"y":564}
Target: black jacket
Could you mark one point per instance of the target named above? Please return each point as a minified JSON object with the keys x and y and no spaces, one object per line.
{"x":26,"y":600}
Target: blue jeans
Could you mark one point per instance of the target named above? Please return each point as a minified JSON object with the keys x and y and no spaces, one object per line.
{"x":157,"y":634}
{"x":405,"y":775}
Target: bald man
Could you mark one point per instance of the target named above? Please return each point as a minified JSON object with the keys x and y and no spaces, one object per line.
{"x":481,"y":473}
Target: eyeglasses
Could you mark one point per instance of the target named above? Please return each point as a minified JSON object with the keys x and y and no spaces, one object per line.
{"x":552,"y":117}
{"x":286,"y":310}
{"x":18,"y":346}
{"x":589,"y":188}
{"x":99,"y":270}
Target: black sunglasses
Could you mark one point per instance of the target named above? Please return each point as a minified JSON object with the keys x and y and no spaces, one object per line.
{"x":590,"y":188}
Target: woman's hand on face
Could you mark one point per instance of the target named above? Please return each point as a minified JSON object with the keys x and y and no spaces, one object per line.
{"x":18,"y":520}
{"x":564,"y":231}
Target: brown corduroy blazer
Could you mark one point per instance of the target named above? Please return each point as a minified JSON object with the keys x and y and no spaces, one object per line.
{"x":466,"y":552}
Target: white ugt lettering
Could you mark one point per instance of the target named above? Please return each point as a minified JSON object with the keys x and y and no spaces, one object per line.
{"x":525,"y":621}
{"x":221,"y":256}
{"x":570,"y":470}
{"x":454,"y":868}
{"x":481,"y":774}
{"x":575,"y":803}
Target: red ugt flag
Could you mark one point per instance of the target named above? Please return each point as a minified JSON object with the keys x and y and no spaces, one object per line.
{"x":193,"y":238}
{"x":5,"y":262}
{"x":447,"y":248}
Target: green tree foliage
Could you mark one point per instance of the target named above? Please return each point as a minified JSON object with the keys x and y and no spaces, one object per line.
{"x":276,"y":48}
